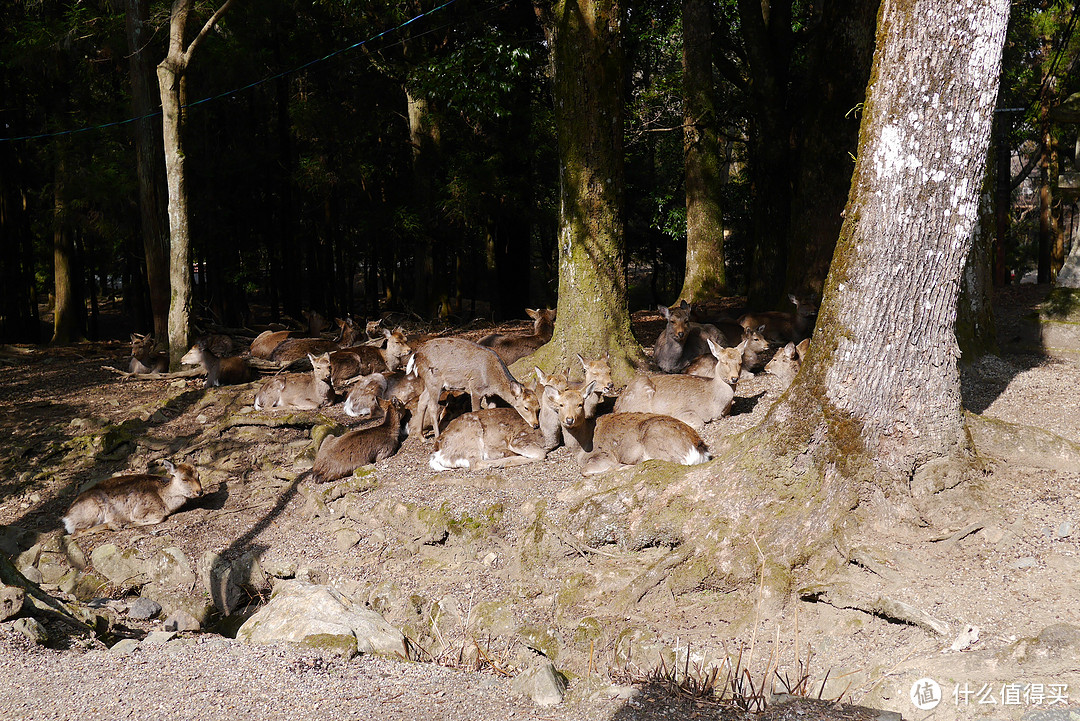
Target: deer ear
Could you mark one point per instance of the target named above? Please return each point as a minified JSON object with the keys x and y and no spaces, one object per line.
{"x":582,"y":360}
{"x":534,"y":314}
{"x":684,"y":305}
{"x":588,"y":390}
{"x":168,"y":465}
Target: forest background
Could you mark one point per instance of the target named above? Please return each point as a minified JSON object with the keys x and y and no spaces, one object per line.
{"x":356,"y":158}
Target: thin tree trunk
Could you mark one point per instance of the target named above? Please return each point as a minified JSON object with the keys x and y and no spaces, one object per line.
{"x":150,"y":162}
{"x":424,"y":136}
{"x":705,"y":165}
{"x":68,"y":311}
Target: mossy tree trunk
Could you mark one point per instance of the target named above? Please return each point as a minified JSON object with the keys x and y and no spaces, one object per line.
{"x":592,"y":313}
{"x":826,"y":138}
{"x":705,"y":164}
{"x":172,"y":83}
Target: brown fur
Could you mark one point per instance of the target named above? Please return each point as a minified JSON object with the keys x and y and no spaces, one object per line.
{"x":341,"y":456}
{"x":132,"y":500}
{"x":299,"y":391}
{"x":219,"y":371}
{"x":627,"y":439}
{"x":145,"y":357}
{"x":783,"y":327}
{"x":264,"y":344}
{"x":293,"y":349}
{"x":511,"y":348}
{"x":488,"y":438}
{"x":364,"y":360}
{"x":682,"y":341}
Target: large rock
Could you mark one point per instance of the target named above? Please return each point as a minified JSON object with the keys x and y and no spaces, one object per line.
{"x":299,"y":610}
{"x":228,"y":583}
{"x":11,"y":601}
{"x":124,"y":569}
{"x":541,"y":682}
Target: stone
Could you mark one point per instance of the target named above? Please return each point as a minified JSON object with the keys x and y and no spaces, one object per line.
{"x":340,"y":645}
{"x":14,"y":540}
{"x":217,"y":577}
{"x":541,"y":682}
{"x":170,"y":568}
{"x":124,"y":646}
{"x":280,"y":569}
{"x":32,"y":629}
{"x":299,"y":609}
{"x":143,"y":609}
{"x":83,"y":586}
{"x":124,"y":569}
{"x":181,"y":620}
{"x":345,"y":538}
{"x":11,"y":601}
{"x":1065,"y":529}
{"x":156,"y":638}
{"x":1022,"y":563}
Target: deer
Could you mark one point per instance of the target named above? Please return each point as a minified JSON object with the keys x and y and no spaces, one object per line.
{"x":692,"y":399}
{"x":787,"y":361}
{"x":561,"y":408}
{"x":597,"y":372}
{"x":365,"y":360}
{"x":681,"y":341}
{"x":145,"y":357}
{"x":364,"y":397}
{"x":487,"y":438}
{"x":219,"y":371}
{"x":455,"y":364}
{"x":299,"y":391}
{"x":132,"y":500}
{"x":340,"y":456}
{"x":781,"y":327}
{"x":620,"y":440}
{"x":754,"y":345}
{"x":266,"y":342}
{"x":510,"y":348}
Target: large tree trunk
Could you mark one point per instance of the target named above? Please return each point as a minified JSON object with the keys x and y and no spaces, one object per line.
{"x":172,"y":82}
{"x":424,"y":136}
{"x":592,"y":314}
{"x":872,"y":423}
{"x":827,"y":134}
{"x":705,"y":165}
{"x":149,"y":160}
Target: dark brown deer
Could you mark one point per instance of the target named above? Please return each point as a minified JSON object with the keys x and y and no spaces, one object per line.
{"x":511,"y":348}
{"x":362,"y":360}
{"x":783,"y":327}
{"x":341,"y":456}
{"x":219,"y":371}
{"x":145,"y":357}
{"x":682,"y":341}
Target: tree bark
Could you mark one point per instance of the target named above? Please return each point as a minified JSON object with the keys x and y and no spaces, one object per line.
{"x":592,"y":314}
{"x":976,"y":332}
{"x":150,"y":162}
{"x":705,"y":165}
{"x":424,"y":136}
{"x":68,"y":311}
{"x":172,"y":82}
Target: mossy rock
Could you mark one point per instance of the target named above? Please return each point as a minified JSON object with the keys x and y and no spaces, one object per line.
{"x":339,"y":645}
{"x":543,"y":639}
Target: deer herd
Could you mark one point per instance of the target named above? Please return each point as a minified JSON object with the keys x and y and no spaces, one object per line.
{"x":404,"y":388}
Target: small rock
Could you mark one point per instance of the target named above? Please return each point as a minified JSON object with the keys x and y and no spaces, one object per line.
{"x":181,"y":620}
{"x":1026,"y":562}
{"x":155,"y":638}
{"x":622,"y":693}
{"x":124,"y":646}
{"x":144,"y":609}
{"x":280,"y":569}
{"x":1064,"y":529}
{"x":967,"y":638}
{"x":33,"y":575}
{"x":201,"y":418}
{"x":311,"y":575}
{"x":346,"y":538}
{"x":124,"y":569}
{"x":541,"y":682}
{"x":32,"y":629}
{"x":11,"y":601}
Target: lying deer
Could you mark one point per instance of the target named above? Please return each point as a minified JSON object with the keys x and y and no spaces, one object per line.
{"x":293,"y":349}
{"x":510,"y":348}
{"x":365,"y":360}
{"x":341,"y":456}
{"x":364,"y":396}
{"x":264,"y":344}
{"x":132,"y":500}
{"x":681,"y":341}
{"x":598,"y":373}
{"x":219,"y":371}
{"x":455,"y":364}
{"x":785,"y":364}
{"x":145,"y":357}
{"x":560,"y":410}
{"x":692,"y":399}
{"x":300,"y":391}
{"x":488,"y":438}
{"x":754,"y":344}
{"x":783,"y":327}
{"x":619,"y":440}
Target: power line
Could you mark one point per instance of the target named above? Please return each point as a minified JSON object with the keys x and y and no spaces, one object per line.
{"x":241,"y":89}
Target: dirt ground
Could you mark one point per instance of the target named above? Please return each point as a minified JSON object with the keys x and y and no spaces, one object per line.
{"x":1000,"y":552}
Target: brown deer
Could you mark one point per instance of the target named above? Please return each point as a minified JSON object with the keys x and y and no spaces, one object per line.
{"x":299,"y":391}
{"x":561,"y":409}
{"x":681,"y":341}
{"x":341,"y":456}
{"x":511,"y":348}
{"x":264,"y":344}
{"x":487,"y":438}
{"x":692,"y":399}
{"x":219,"y":371}
{"x":145,"y":357}
{"x":364,"y":396}
{"x":619,"y":440}
{"x":455,"y":364}
{"x":754,"y":345}
{"x":597,"y":372}
{"x":783,"y":327}
{"x":365,"y":360}
{"x":132,"y":500}
{"x":787,"y":361}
